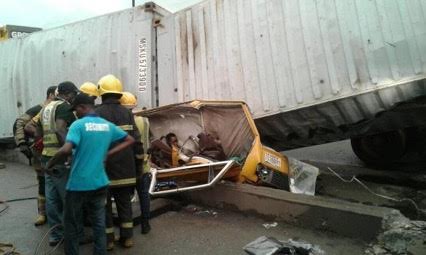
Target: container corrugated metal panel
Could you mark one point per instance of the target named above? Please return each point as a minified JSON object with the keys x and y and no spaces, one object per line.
{"x":119,"y":43}
{"x":281,"y":56}
{"x":284,"y":55}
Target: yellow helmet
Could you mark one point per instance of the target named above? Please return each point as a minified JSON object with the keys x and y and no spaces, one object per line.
{"x":90,"y":89}
{"x":128,"y":99}
{"x":109,"y":84}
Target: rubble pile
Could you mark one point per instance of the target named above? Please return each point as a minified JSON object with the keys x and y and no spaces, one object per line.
{"x":400,"y":236}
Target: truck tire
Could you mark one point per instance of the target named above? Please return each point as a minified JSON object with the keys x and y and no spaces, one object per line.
{"x":380,"y":149}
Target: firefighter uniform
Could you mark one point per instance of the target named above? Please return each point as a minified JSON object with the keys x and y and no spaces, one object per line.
{"x":32,"y":151}
{"x":143,"y":176}
{"x":121,"y":167}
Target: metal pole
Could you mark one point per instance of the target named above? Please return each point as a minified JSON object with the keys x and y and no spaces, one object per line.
{"x":133,"y":3}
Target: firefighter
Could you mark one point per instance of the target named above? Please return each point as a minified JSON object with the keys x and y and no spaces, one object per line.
{"x":89,"y":140}
{"x":54,"y":120}
{"x":121,"y":167}
{"x":32,"y":149}
{"x":143,"y":176}
{"x":90,"y":89}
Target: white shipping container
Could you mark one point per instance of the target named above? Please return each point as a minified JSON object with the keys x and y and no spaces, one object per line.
{"x":120,"y":43}
{"x":300,"y":65}
{"x":308,"y":69}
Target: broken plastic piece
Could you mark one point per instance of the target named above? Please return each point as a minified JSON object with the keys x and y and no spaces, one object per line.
{"x":263,"y":246}
{"x":302,"y":177}
{"x":270,"y":225}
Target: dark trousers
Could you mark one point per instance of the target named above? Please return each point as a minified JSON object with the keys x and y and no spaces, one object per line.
{"x":142,"y":187}
{"x":41,"y":199}
{"x":41,"y":184}
{"x":122,"y":198}
{"x":75,"y":201}
{"x":55,"y":195}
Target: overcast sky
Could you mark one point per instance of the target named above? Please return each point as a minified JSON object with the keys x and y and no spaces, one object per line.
{"x":53,"y":13}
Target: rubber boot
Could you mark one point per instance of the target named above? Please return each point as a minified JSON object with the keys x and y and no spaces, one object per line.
{"x":127,"y":243}
{"x":41,"y":217}
{"x":145,"y":227}
{"x":110,"y":246}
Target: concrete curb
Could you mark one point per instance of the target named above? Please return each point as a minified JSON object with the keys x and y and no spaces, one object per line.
{"x":344,"y":218}
{"x":159,"y":206}
{"x":13,"y":155}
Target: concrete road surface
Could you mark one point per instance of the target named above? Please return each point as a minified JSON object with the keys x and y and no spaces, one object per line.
{"x":192,"y":230}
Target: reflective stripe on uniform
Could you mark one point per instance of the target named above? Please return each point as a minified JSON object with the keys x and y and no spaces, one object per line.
{"x":122,"y":181}
{"x":126,"y":225}
{"x":109,"y":230}
{"x":142,"y":124}
{"x":50,"y":152}
{"x":126,"y":127}
{"x":139,"y":156}
{"x":50,"y":144}
{"x":49,"y":138}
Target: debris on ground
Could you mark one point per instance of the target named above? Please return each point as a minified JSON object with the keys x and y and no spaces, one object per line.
{"x":399,"y":236}
{"x":271,"y":246}
{"x":263,"y":246}
{"x":206,"y":212}
{"x":302,"y":177}
{"x":270,"y":225}
{"x":302,"y":247}
{"x":8,"y":249}
{"x":197,"y":210}
{"x":192,"y":208}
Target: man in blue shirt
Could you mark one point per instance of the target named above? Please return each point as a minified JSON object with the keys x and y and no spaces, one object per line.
{"x":89,"y":140}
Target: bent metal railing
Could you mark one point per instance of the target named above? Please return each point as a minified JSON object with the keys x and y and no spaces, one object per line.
{"x":211,"y":180}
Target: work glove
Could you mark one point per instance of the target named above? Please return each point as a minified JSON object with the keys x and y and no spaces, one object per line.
{"x":25,"y":149}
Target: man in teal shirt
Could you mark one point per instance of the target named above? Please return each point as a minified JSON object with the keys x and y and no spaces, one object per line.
{"x":91,"y":138}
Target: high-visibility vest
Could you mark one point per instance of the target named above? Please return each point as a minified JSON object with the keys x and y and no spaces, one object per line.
{"x":48,"y":122}
{"x":143,"y":126}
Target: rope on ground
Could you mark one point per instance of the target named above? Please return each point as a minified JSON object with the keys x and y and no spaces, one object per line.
{"x":20,"y":199}
{"x":6,"y":206}
{"x":38,"y":251}
{"x":8,"y":249}
{"x":11,"y":248}
{"x":376,"y":194}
